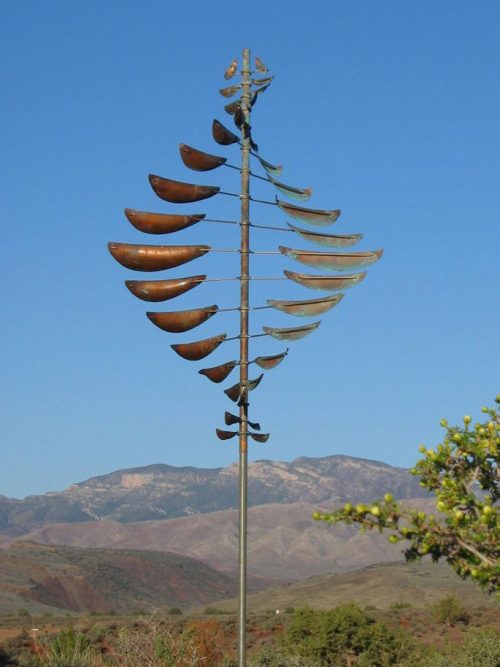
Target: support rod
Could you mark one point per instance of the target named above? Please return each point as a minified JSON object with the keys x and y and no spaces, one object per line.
{"x":244,"y":313}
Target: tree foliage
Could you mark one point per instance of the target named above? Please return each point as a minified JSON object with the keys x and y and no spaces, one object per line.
{"x":462,"y":472}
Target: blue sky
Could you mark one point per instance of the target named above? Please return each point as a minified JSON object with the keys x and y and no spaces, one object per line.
{"x":388,"y":109}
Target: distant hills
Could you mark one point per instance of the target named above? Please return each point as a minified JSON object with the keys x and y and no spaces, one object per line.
{"x":158,"y":492}
{"x":43,"y":579}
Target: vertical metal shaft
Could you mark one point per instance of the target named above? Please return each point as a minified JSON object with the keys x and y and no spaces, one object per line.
{"x":244,"y":301}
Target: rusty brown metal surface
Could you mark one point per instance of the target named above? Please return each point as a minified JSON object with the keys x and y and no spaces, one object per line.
{"x":291,"y":333}
{"x":308,"y":308}
{"x":199,"y":349}
{"x":225,"y":435}
{"x":325,"y":283}
{"x":230,"y":90}
{"x":259,"y":437}
{"x":301,"y":194}
{"x":199,"y":161}
{"x":332,"y":261}
{"x":161,"y":223}
{"x":218,"y":373}
{"x":182,"y":320}
{"x":231,"y":419}
{"x":231,"y":70}
{"x":178,"y":192}
{"x":269,"y":362}
{"x":327,"y":240}
{"x":313,"y":216}
{"x":232,"y":107}
{"x":154,"y":257}
{"x":237,"y":389}
{"x":222,"y":135}
{"x":163,"y":290}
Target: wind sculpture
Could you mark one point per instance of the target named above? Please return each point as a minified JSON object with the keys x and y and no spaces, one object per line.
{"x":151,"y":258}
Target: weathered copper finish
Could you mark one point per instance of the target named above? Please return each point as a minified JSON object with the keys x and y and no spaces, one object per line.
{"x":272,"y":170}
{"x":199,"y":161}
{"x":307,"y":308}
{"x":180,"y":193}
{"x":232,"y":107}
{"x":293,"y":333}
{"x":261,"y":67}
{"x":225,"y":435}
{"x":231,"y":70}
{"x":163,"y":290}
{"x":182,"y":320}
{"x":218,"y":373}
{"x":325,"y":283}
{"x":312,"y":216}
{"x":267,"y":363}
{"x":331,"y":261}
{"x":259,"y":437}
{"x":161,"y":223}
{"x":154,"y":257}
{"x":301,"y":194}
{"x":231,"y":419}
{"x":327,"y":240}
{"x":200,"y":348}
{"x":239,"y":388}
{"x":222,"y":135}
{"x":230,"y":90}
{"x":262,"y":82}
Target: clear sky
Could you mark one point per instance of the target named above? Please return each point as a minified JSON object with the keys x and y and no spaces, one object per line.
{"x":389,"y":110}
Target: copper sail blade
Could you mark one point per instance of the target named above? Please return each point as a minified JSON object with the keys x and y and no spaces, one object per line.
{"x":325,"y":283}
{"x":293,"y":333}
{"x":231,"y":419}
{"x":234,"y":392}
{"x":332,"y":261}
{"x":259,"y":437}
{"x":218,"y":373}
{"x":225,"y":435}
{"x":163,"y":290}
{"x":200,"y":348}
{"x":222,"y":135}
{"x":232,"y":107}
{"x":301,"y":194}
{"x":180,"y":193}
{"x":161,"y":223}
{"x":199,"y":161}
{"x":182,"y":320}
{"x":267,"y":363}
{"x":312,"y":216}
{"x":154,"y":257}
{"x":230,"y":90}
{"x":272,"y":170}
{"x":307,"y":308}
{"x":327,"y":240}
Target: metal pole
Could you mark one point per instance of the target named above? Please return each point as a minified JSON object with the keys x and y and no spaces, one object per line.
{"x":244,"y":303}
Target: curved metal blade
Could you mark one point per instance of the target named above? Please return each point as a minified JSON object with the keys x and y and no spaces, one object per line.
{"x":222,"y":135}
{"x":232,"y":107}
{"x":293,"y":333}
{"x":331,"y":261}
{"x":271,"y":169}
{"x":182,"y":320}
{"x":312,"y":216}
{"x":231,"y":70}
{"x":154,"y":257}
{"x":259,"y":437}
{"x":236,"y":390}
{"x":231,"y":419}
{"x":325,"y":283}
{"x":257,"y":92}
{"x":328,"y":240}
{"x":199,"y":161}
{"x":307,"y":308}
{"x":199,"y":349}
{"x":163,"y":290}
{"x":180,"y":193}
{"x":262,"y":82}
{"x":267,"y":363}
{"x":218,"y":373}
{"x":230,"y":90}
{"x":161,"y":223}
{"x":301,"y":194}
{"x":225,"y":435}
